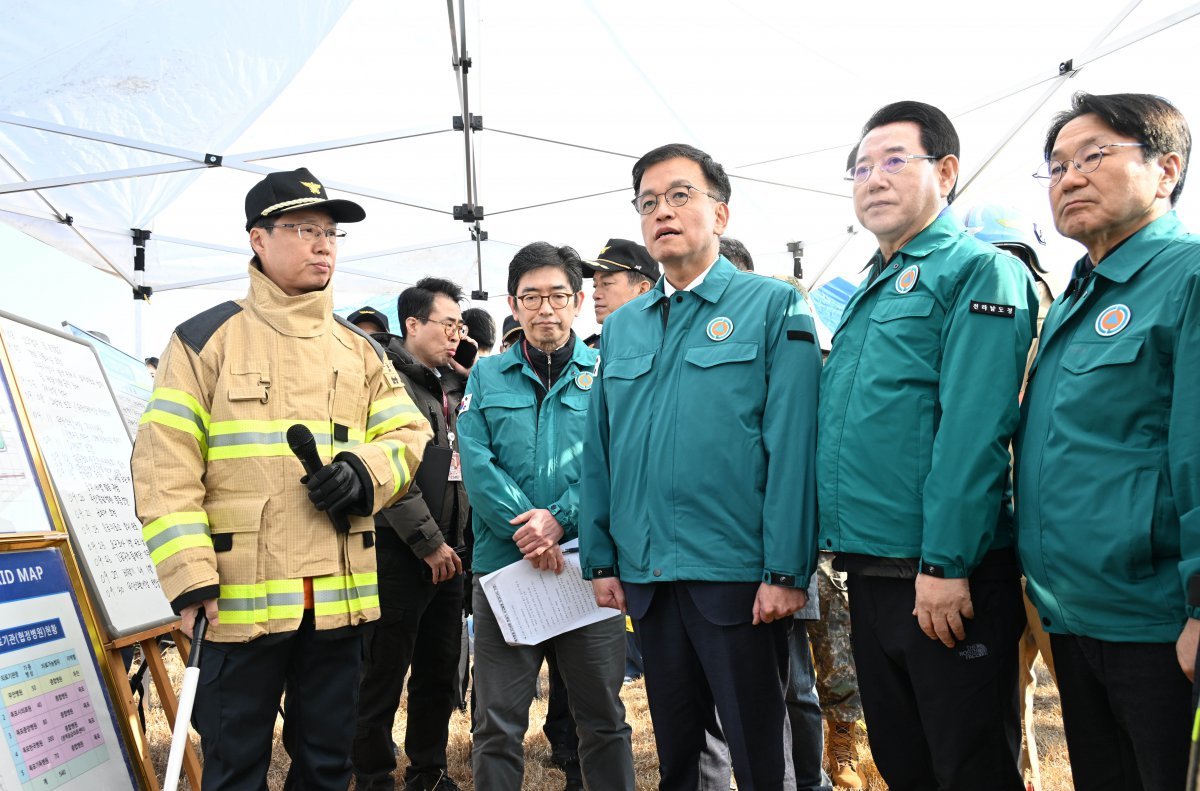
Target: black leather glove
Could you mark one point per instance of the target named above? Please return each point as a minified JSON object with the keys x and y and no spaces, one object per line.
{"x":335,"y":487}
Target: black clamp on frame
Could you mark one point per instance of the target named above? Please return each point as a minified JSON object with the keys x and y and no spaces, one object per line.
{"x":213,"y":160}
{"x":1067,"y":66}
{"x":468,"y":213}
{"x":476,"y":123}
{"x":140,"y":237}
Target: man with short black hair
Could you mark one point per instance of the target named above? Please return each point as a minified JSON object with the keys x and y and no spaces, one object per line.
{"x":481,"y":328}
{"x":421,"y":540}
{"x":229,"y":523}
{"x":1111,"y":406}
{"x":737,"y":254}
{"x":699,"y":507}
{"x":918,"y":402}
{"x":522,"y":424}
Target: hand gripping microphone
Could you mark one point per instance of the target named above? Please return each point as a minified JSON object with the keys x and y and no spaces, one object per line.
{"x":300,"y":439}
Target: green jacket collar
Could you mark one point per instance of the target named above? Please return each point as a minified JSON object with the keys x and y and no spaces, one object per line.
{"x":1137,"y":250}
{"x":935,"y":236}
{"x":581,"y":355}
{"x":710,"y":290}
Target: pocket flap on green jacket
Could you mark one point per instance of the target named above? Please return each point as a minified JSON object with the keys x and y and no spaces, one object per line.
{"x":507,"y":400}
{"x":721,"y":353}
{"x":902,"y":307}
{"x":628,"y":367}
{"x":1081,"y":357}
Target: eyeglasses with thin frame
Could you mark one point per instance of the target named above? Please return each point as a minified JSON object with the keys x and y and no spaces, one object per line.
{"x":1085,"y":160}
{"x":454,"y":329}
{"x":892,"y":164}
{"x":309,"y":232}
{"x":558,"y":300}
{"x":675,"y":196}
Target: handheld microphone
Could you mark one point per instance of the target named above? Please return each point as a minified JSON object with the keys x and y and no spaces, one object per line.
{"x":300,"y":439}
{"x":304,"y":445}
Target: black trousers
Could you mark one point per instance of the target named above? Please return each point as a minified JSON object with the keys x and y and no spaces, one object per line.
{"x":1126,"y":713}
{"x":238,"y":697}
{"x":701,"y":651}
{"x":420,"y":627}
{"x":560,"y":728}
{"x":937,"y":717}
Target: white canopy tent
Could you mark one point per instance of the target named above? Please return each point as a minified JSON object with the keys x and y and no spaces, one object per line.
{"x":144,"y":115}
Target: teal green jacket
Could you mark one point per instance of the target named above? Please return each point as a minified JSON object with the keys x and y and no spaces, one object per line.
{"x":516,"y":456}
{"x":1108,"y":450}
{"x":919,"y":400}
{"x":698,"y":463}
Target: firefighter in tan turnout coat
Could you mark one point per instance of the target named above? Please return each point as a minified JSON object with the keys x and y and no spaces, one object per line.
{"x":229,"y":522}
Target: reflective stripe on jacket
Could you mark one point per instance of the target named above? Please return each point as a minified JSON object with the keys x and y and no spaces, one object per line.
{"x":218,"y":489}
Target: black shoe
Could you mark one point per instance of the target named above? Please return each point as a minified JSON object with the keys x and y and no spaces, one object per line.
{"x":438,"y":781}
{"x":574,"y":773}
{"x":375,"y":783}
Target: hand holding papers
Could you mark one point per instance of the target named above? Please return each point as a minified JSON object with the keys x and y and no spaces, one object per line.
{"x":532,"y":606}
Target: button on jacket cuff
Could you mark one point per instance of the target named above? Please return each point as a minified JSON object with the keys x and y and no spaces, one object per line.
{"x":943,"y":570}
{"x":600,"y":572}
{"x":783,"y":580}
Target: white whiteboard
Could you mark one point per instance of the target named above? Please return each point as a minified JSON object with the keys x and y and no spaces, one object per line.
{"x":127,"y":375}
{"x":82,"y":437}
{"x":22,"y":507}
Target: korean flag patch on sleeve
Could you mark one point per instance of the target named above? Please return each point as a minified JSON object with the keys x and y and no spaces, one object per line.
{"x":466,"y":403}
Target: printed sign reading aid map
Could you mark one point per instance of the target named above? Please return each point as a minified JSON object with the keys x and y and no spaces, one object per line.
{"x":56,"y":724}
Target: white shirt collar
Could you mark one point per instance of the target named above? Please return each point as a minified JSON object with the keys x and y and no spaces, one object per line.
{"x":669,"y":289}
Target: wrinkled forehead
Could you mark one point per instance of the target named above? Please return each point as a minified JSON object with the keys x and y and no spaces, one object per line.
{"x":1087,"y":129}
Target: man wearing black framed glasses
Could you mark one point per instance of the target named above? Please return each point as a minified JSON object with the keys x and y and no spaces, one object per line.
{"x":421,"y":545}
{"x":918,"y":402}
{"x":699,"y":515}
{"x":1112,"y":407}
{"x":234,"y":533}
{"x":522,"y":431}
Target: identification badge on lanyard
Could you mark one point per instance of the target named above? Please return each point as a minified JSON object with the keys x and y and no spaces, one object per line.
{"x":455,"y":461}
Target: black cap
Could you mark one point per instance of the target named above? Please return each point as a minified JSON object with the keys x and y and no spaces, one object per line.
{"x":622,"y":255}
{"x":511,"y":329}
{"x":369,"y":314}
{"x":294,"y":190}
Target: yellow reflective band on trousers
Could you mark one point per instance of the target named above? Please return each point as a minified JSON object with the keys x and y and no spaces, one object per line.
{"x":341,"y":595}
{"x":175,"y":532}
{"x":395,"y":452}
{"x":178,"y":410}
{"x":245,"y":439}
{"x":265,"y":601}
{"x":389,"y":414}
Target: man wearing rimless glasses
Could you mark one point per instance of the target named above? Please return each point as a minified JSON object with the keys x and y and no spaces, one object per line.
{"x":1111,"y":406}
{"x":918,"y":401}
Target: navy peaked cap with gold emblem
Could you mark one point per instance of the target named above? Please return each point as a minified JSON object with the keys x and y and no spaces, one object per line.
{"x":622,"y":255}
{"x":294,"y":190}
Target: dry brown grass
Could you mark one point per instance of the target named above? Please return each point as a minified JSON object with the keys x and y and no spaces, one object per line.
{"x":539,"y":776}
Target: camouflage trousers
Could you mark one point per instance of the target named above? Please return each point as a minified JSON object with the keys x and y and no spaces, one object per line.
{"x":837,"y":683}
